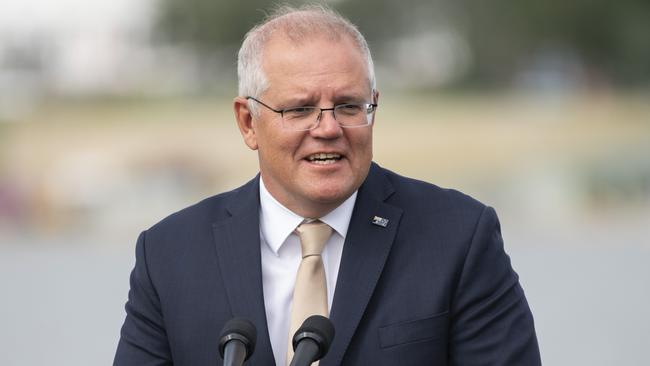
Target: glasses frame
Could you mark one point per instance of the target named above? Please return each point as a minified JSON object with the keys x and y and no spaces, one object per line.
{"x":281,"y":112}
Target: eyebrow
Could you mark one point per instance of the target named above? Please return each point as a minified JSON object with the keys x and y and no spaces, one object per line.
{"x":349,"y":98}
{"x":297,"y":101}
{"x":309,"y":100}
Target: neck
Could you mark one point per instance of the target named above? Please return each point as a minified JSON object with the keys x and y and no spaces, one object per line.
{"x":305,"y":209}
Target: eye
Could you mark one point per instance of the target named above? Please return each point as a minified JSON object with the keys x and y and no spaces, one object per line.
{"x":298,"y":112}
{"x":349,"y":109}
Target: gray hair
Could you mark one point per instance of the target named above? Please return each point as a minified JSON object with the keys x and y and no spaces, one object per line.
{"x":297,"y":24}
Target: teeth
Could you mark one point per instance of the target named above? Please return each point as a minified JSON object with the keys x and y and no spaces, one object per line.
{"x":324,"y":162}
{"x":323,"y":157}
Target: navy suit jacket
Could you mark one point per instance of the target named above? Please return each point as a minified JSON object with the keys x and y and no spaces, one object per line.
{"x":433,"y":287}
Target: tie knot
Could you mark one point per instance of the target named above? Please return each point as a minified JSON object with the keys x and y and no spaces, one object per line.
{"x":313,"y":236}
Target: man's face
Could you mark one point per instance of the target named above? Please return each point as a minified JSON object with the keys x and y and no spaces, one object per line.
{"x":320,"y":73}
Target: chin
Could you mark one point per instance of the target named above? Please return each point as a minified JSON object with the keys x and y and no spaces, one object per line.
{"x":328,"y":194}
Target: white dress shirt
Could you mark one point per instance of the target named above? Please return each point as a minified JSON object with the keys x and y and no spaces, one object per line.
{"x":281,"y":255}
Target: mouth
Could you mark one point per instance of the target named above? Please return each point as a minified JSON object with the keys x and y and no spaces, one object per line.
{"x":324,"y":158}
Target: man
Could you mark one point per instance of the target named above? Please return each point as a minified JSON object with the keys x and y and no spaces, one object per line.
{"x":409,"y":274}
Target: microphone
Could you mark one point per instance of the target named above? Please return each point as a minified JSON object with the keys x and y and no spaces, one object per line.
{"x":312,"y":340}
{"x":237,"y":341}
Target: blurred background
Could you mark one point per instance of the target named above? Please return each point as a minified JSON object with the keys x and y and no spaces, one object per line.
{"x":114,"y":114}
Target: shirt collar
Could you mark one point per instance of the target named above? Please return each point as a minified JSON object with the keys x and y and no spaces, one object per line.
{"x":278,"y":222}
{"x":339,"y":218}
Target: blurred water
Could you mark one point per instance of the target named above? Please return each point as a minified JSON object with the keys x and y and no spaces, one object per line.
{"x":590,"y":303}
{"x":63,"y":303}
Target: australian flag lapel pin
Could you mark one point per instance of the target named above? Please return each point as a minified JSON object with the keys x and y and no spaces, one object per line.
{"x":380,"y":221}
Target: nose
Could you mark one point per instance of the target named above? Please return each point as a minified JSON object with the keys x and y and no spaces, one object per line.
{"x":327,"y":126}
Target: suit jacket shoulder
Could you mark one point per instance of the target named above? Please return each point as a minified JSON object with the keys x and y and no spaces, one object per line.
{"x":432,"y":207}
{"x":206,"y":211}
{"x":414,"y":192}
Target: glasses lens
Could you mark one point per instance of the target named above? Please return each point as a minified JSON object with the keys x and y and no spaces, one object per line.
{"x":353,"y":114}
{"x":300,"y":118}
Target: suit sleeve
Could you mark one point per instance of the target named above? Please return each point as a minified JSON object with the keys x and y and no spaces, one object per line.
{"x":143,"y":339}
{"x":491,"y":320}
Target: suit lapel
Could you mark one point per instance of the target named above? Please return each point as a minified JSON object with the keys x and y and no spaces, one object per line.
{"x":237,"y":240}
{"x":366,"y":249}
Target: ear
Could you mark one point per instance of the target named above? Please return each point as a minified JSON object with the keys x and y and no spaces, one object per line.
{"x":244,"y":119}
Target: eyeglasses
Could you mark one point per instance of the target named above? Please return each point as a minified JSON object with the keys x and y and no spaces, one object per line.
{"x":350,"y":115}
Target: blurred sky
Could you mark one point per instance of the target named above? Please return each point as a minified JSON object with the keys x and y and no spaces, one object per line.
{"x":103,"y":132}
{"x":41,"y":15}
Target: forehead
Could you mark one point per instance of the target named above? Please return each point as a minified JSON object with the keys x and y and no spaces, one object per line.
{"x":319,"y":63}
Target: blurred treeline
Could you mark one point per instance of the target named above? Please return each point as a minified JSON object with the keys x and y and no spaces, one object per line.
{"x":455,"y":43}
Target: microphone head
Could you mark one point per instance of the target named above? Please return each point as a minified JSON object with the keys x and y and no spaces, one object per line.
{"x":318,"y":328}
{"x":241,"y":330}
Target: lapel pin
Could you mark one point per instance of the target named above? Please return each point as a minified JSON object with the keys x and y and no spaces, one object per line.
{"x":380,"y":221}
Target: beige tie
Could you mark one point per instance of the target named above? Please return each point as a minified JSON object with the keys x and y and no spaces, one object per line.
{"x":310,"y":291}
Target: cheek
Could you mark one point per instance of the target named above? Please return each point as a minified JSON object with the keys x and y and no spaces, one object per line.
{"x":369,"y":146}
{"x":362,"y":145}
{"x":278,"y":149}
